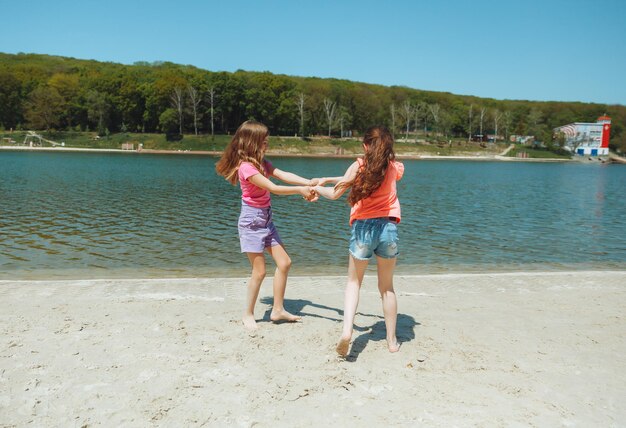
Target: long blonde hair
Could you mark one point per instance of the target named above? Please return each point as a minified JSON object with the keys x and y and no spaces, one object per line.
{"x":370,"y":176}
{"x":245,"y":146}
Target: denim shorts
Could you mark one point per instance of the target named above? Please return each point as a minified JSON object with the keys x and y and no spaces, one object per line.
{"x":374,"y":236}
{"x":256,"y":229}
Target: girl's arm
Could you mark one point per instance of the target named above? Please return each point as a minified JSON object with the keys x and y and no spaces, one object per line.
{"x":329,"y":192}
{"x":329,"y":180}
{"x":291,"y":178}
{"x":337,"y":191}
{"x":263,"y":182}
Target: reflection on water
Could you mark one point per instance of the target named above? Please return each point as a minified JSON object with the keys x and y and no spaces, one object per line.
{"x":68,"y":215}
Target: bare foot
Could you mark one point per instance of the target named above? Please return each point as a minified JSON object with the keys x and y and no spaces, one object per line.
{"x":249,"y":322}
{"x":284,"y":316}
{"x":393,"y":346}
{"x":343,"y":346}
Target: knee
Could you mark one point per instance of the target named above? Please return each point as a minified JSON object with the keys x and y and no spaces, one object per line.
{"x":284,"y":265}
{"x":258,"y":274}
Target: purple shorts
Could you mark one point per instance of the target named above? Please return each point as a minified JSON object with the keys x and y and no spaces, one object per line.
{"x":256,"y":229}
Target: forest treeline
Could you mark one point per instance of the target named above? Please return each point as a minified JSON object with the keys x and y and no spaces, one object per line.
{"x":49,"y":92}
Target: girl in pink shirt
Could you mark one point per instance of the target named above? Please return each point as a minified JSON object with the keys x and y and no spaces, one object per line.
{"x":244,"y":162}
{"x":374,"y":217}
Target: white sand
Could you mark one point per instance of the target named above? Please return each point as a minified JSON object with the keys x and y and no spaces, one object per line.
{"x":534,"y":349}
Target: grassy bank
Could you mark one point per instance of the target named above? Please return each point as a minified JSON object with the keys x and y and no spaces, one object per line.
{"x":536,"y":153}
{"x":295,"y":145}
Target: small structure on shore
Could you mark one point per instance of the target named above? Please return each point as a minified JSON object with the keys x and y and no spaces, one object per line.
{"x":527,"y":140}
{"x":32,"y":139}
{"x":587,"y":139}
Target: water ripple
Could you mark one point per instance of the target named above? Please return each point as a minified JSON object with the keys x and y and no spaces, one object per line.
{"x":101,"y":215}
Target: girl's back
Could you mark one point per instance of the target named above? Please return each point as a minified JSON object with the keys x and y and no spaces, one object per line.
{"x":383,"y":202}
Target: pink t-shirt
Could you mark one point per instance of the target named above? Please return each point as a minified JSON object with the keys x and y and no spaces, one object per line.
{"x":253,"y":195}
{"x":384,"y":201}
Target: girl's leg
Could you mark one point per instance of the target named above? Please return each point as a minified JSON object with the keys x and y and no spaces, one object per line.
{"x":356,"y":270}
{"x":390,"y":303}
{"x":283,"y":264}
{"x":257,"y":261}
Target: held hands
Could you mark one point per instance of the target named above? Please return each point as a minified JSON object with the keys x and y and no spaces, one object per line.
{"x":316,"y":188}
{"x":309,"y":194}
{"x":313,"y":192}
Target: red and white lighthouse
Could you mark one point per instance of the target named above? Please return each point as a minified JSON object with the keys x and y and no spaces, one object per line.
{"x":606,"y":132}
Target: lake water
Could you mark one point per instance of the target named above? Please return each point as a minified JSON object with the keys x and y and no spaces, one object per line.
{"x":85,"y":215}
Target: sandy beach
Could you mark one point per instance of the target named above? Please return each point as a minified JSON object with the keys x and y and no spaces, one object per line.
{"x":516,"y":349}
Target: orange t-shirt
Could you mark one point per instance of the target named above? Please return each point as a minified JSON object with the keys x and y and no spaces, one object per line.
{"x":384,"y":201}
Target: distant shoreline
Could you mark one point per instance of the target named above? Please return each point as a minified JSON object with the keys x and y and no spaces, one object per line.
{"x":283,"y":154}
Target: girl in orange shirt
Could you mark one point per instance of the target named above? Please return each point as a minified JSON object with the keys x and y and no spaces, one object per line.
{"x":374,"y":217}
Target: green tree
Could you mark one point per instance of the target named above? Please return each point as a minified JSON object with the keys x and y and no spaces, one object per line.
{"x":98,"y":109}
{"x":44,"y":108}
{"x":345,"y":120}
{"x":10,"y":100}
{"x":132,"y":102}
{"x":68,"y":87}
{"x":169,"y":124}
{"x":535,"y":120}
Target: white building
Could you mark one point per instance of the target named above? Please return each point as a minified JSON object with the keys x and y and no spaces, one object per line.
{"x":587,"y":138}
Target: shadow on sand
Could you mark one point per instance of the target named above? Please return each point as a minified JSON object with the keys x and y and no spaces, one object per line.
{"x":405,"y":332}
{"x":299,"y":306}
{"x":405,"y":327}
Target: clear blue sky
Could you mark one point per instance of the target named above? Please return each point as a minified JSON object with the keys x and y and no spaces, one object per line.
{"x":560,"y":50}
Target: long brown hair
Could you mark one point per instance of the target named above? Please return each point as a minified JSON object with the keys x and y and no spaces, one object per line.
{"x":370,"y":176}
{"x":245,"y":146}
